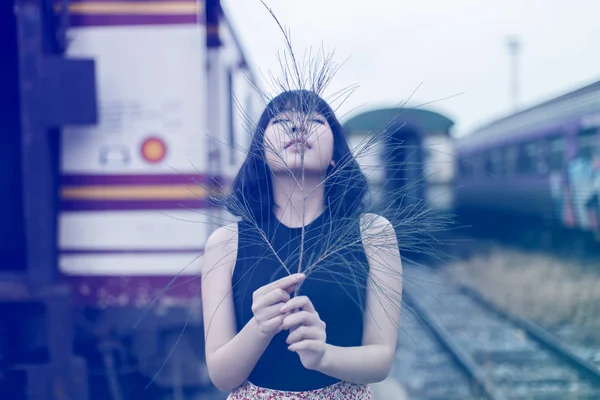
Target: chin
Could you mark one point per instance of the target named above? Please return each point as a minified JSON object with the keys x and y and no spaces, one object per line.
{"x":297,"y":170}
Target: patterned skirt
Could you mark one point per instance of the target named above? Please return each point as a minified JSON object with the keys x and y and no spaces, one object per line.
{"x":338,"y":391}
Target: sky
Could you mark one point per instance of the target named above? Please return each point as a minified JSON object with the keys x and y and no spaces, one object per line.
{"x":446,"y":56}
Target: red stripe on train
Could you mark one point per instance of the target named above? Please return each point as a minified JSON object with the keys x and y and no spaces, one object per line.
{"x":66,"y":251}
{"x":130,"y":179}
{"x":105,"y":205}
{"x":133,"y":20}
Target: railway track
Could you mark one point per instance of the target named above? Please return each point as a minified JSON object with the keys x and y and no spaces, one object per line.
{"x":424,"y":368}
{"x":502,"y":356}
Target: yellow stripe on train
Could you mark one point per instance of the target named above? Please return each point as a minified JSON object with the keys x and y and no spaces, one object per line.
{"x":142,"y":192}
{"x":136,"y":7}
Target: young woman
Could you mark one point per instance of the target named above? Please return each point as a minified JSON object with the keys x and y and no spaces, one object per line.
{"x":301,"y":297}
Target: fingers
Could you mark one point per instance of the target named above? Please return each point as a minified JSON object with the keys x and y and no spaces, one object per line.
{"x":299,"y":302}
{"x":306,"y":333}
{"x":268,"y":300}
{"x":269,"y":312}
{"x":276,"y":296}
{"x":310,"y":344}
{"x":302,"y":318}
{"x":269,"y":319}
{"x":284,"y":283}
{"x":269,"y":305}
{"x":272,"y":325}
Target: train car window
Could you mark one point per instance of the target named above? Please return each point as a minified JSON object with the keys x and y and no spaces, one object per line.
{"x":542,"y":159}
{"x":587,"y":143}
{"x":230,"y":117}
{"x":531,"y":157}
{"x":462,"y":168}
{"x":496,"y":162}
{"x":470,"y":168}
{"x":556,"y":153}
{"x":502,"y":161}
{"x":526,"y":158}
{"x":12,"y":234}
{"x":477,"y":166}
{"x":487,"y":164}
{"x":511,"y":160}
{"x":465,"y":168}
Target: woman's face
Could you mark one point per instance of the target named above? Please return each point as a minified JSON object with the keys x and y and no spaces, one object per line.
{"x":291,"y":135}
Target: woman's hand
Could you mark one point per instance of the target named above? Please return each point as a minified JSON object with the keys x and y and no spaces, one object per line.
{"x":268,"y":300}
{"x":307,"y":331}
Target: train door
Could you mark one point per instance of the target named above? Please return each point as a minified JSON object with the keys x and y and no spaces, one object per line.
{"x":404,"y":167}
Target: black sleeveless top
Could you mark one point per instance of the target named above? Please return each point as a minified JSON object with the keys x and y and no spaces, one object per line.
{"x":336,"y":286}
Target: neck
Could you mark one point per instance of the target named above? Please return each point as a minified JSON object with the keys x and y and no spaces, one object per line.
{"x":298,"y":202}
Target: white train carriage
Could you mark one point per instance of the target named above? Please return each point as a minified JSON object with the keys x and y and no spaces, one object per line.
{"x":166,"y":81}
{"x":134,"y":212}
{"x":410,"y":155}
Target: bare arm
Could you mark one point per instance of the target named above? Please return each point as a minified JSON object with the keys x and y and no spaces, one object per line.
{"x":231,"y":356}
{"x":373,"y":361}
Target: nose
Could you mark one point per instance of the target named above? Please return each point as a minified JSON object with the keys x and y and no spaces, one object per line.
{"x":298,"y":130}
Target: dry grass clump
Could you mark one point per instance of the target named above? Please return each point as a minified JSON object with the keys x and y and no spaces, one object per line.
{"x":538,"y":286}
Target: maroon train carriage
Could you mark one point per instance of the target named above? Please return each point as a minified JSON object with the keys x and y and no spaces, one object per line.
{"x":537,"y":168}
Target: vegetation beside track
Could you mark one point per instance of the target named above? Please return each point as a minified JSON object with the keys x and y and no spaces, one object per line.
{"x":550,"y":291}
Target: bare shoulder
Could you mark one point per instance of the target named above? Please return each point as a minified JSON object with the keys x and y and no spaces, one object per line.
{"x":380,"y":244}
{"x":376,"y":230}
{"x":220,"y":249}
{"x":374,"y":220}
{"x":223,"y":236}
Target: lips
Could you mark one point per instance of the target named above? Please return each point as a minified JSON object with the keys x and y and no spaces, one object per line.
{"x":299,"y":141}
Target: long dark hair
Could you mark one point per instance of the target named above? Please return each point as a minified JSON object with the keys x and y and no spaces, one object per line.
{"x":346,"y":186}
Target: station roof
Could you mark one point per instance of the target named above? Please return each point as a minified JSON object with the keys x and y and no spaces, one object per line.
{"x":376,"y":120}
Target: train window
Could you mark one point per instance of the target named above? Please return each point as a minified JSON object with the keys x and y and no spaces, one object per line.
{"x":230,"y":118}
{"x":527,"y":158}
{"x":502,"y":161}
{"x":471,"y":168}
{"x":465,"y":168}
{"x":462,"y":168}
{"x":556,"y":153}
{"x":542,"y":162}
{"x":487,"y":163}
{"x":531,"y":156}
{"x":496,"y":163}
{"x":510,"y":160}
{"x":587,"y":143}
{"x":476,"y":166}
